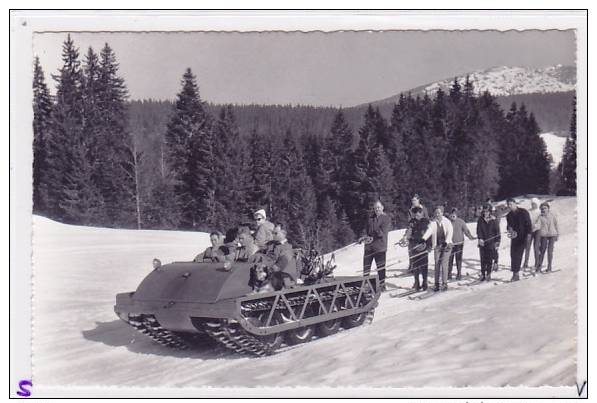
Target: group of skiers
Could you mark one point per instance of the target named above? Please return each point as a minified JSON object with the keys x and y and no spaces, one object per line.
{"x":265,"y":244}
{"x":537,"y":228}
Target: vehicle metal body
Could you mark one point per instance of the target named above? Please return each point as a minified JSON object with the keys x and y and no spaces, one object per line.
{"x":180,"y":299}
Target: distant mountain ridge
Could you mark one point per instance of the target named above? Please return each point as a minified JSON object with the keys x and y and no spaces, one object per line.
{"x":504,"y":81}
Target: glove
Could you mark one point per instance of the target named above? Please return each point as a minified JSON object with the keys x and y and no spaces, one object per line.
{"x":481,"y":243}
{"x":512,"y":234}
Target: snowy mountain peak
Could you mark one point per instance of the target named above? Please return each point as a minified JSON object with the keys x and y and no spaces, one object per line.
{"x":506,"y":80}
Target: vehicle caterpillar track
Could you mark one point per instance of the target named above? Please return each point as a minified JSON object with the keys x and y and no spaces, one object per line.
{"x":182,"y":299}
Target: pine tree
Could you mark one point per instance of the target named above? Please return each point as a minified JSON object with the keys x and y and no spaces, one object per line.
{"x":337,"y":152}
{"x":261,"y":159}
{"x":190,"y":157}
{"x":381,"y":180}
{"x":326,"y":226}
{"x":114,"y":144}
{"x":66,"y":147}
{"x":230,"y":172}
{"x":82,"y":202}
{"x":567,"y":168}
{"x":42,"y":125}
{"x":314,"y":156}
{"x":293,"y":193}
{"x":397,"y":155}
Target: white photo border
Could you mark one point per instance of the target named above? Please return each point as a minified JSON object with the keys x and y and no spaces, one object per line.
{"x":24,"y":23}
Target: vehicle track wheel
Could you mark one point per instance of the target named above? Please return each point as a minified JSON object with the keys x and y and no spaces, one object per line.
{"x":357,"y":319}
{"x":272,"y":341}
{"x":329,"y":327}
{"x":298,"y":336}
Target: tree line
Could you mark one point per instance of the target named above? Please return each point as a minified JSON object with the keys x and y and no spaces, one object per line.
{"x":101,"y":160}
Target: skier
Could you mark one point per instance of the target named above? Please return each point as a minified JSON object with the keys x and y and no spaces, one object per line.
{"x":418,"y":248}
{"x":416,"y":202}
{"x":440,"y":232}
{"x":376,"y":242}
{"x":488,"y":234}
{"x":520,"y":230}
{"x":460,"y":229}
{"x":535,"y":240}
{"x":263,"y":234}
{"x":549,"y":233}
{"x":497,"y":216}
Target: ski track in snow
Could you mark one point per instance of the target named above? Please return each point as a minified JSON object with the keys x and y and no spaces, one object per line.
{"x":486,"y":335}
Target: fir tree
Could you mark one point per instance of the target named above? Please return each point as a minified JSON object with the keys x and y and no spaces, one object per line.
{"x":66,"y":146}
{"x":114,"y":144}
{"x":567,"y":168}
{"x":381,"y":180}
{"x":42,"y":125}
{"x":259,"y":194}
{"x":337,"y":152}
{"x":230,"y":172}
{"x":189,"y":156}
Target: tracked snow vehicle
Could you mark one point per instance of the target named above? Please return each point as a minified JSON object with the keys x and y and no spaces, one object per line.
{"x":178,"y":301}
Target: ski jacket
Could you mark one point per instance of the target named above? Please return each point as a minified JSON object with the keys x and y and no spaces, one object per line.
{"x":416,"y":229}
{"x":488,"y":231}
{"x":264,"y":233}
{"x":432,"y":232}
{"x":378,"y":228}
{"x":520,"y":221}
{"x":207,"y":256}
{"x":534,"y":215}
{"x":548,"y":225}
{"x":459,"y":229}
{"x":245,"y":252}
{"x":280,"y":256}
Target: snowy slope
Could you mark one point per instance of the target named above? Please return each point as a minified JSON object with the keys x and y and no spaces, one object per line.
{"x":488,"y":335}
{"x":503,"y":81}
{"x":555,"y":146}
{"x":515,"y":80}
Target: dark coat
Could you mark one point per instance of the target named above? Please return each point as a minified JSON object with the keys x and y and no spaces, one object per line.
{"x":488,"y":231}
{"x":378,"y":228}
{"x":520,"y":221}
{"x":279,"y":256}
{"x":411,"y":215}
{"x":416,"y":229}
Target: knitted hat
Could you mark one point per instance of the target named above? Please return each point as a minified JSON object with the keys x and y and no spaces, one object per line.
{"x":260,"y":212}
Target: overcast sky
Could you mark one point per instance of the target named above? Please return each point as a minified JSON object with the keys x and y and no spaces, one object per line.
{"x":338,"y":69}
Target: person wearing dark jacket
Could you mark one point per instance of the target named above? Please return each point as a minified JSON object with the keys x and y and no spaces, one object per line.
{"x":520,"y":230}
{"x":488,"y":234}
{"x":376,"y":242}
{"x":416,"y":203}
{"x":418,"y":248}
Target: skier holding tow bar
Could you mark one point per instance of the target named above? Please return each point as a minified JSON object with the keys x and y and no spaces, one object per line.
{"x":376,"y":242}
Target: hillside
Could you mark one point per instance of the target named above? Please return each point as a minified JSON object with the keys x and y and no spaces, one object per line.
{"x":504,"y":81}
{"x":486,"y":335}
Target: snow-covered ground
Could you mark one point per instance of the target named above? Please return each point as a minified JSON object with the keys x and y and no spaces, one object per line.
{"x":486,"y":335}
{"x":555,"y":146}
{"x":505,"y":80}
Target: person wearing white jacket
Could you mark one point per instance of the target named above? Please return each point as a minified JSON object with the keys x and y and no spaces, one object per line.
{"x":535,"y":240}
{"x":440,"y":231}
